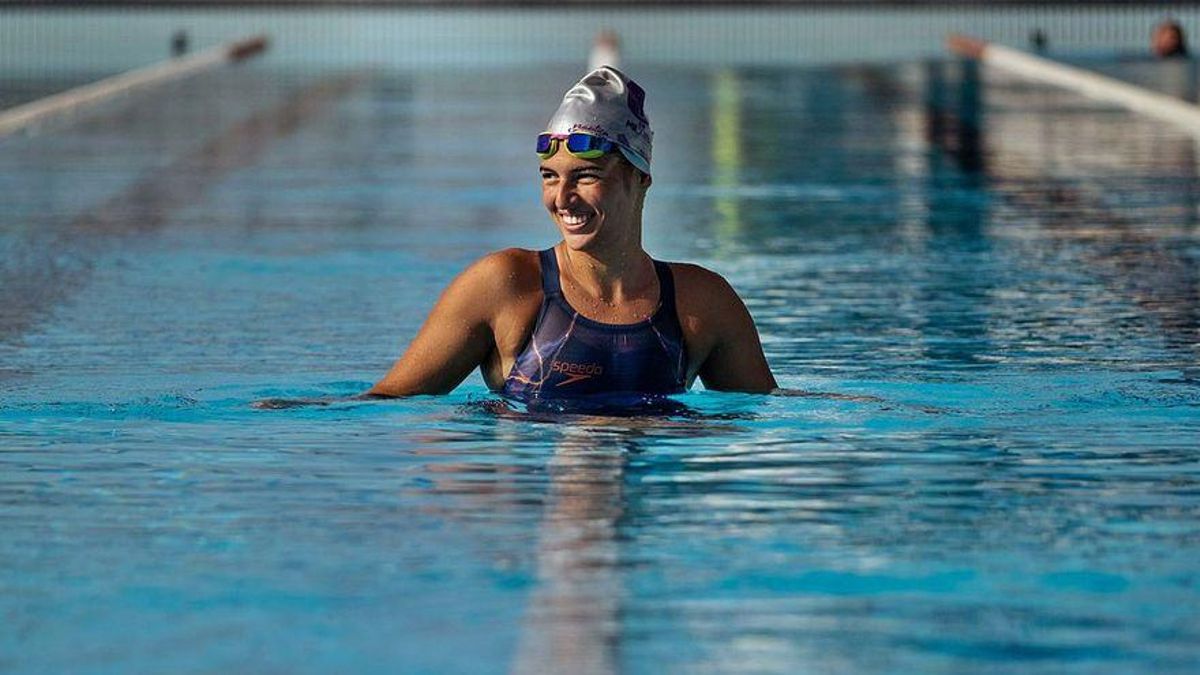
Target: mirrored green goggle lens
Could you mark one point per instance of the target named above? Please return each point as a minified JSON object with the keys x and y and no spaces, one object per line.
{"x":584,"y":146}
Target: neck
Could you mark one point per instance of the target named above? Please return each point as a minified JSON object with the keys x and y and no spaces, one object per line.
{"x":611,"y":277}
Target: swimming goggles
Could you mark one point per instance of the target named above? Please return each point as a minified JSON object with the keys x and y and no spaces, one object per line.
{"x":583,"y":146}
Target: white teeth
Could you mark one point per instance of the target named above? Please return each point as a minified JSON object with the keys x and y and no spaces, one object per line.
{"x":573,"y":219}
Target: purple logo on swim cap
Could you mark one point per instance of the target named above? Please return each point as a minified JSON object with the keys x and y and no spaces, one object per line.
{"x":637,"y":101}
{"x":589,"y":128}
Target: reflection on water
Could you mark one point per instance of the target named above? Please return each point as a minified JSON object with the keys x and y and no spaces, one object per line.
{"x":984,"y":291}
{"x":572,"y":622}
{"x":726,"y":149}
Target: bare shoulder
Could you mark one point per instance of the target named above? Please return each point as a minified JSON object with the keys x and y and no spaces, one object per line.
{"x":707,"y":306}
{"x":699,"y":289}
{"x":503,"y":289}
{"x":498,"y":278}
{"x":510,"y":269}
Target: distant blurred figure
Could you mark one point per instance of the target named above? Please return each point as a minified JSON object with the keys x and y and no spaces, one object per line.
{"x":1168,"y":40}
{"x":606,"y":51}
{"x":1037,"y":40}
{"x":179,"y":43}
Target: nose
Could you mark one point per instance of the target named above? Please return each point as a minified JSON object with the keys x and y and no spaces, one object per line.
{"x":564,"y":194}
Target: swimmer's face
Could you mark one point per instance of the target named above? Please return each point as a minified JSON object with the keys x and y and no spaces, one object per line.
{"x":594,"y":202}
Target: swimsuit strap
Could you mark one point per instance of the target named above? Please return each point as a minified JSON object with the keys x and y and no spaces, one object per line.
{"x":666,"y":287}
{"x":550,"y":282}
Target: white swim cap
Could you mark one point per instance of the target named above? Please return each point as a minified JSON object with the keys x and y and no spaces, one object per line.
{"x":607,"y":103}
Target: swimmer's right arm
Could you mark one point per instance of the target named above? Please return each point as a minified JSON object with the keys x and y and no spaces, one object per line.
{"x":455,"y":339}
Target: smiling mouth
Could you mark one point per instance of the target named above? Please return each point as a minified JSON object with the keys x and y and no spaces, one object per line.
{"x":574,"y":221}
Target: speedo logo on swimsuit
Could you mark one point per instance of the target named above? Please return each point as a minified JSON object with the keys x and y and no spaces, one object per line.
{"x":575,"y":371}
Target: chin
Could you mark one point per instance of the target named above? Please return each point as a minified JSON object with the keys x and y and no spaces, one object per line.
{"x":579,"y":242}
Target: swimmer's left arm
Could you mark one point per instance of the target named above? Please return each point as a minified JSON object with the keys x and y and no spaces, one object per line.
{"x":736,"y":362}
{"x":729,"y":349}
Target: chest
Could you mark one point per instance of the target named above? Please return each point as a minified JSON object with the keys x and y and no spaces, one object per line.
{"x":569,"y":356}
{"x":513,"y":333}
{"x":631,"y":311}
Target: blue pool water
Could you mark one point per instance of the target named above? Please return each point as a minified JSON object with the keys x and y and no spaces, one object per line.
{"x":1011,"y":270}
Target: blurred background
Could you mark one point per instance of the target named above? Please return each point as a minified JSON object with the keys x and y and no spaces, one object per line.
{"x":45,"y":39}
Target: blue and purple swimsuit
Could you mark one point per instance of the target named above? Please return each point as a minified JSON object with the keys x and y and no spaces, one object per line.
{"x":570,"y":357}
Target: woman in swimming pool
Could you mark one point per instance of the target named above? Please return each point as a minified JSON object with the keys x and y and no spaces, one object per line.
{"x":594,"y":315}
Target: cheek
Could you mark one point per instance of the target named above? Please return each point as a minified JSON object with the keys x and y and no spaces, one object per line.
{"x":604,"y":198}
{"x":616,"y":200}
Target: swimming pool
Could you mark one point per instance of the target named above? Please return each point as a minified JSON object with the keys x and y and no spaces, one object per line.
{"x":1011,"y":269}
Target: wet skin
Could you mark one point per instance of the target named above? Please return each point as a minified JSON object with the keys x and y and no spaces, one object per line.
{"x":485,"y":316}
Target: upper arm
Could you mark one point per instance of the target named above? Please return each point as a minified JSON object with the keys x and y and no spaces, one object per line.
{"x":456,"y":337}
{"x":732,"y":358}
